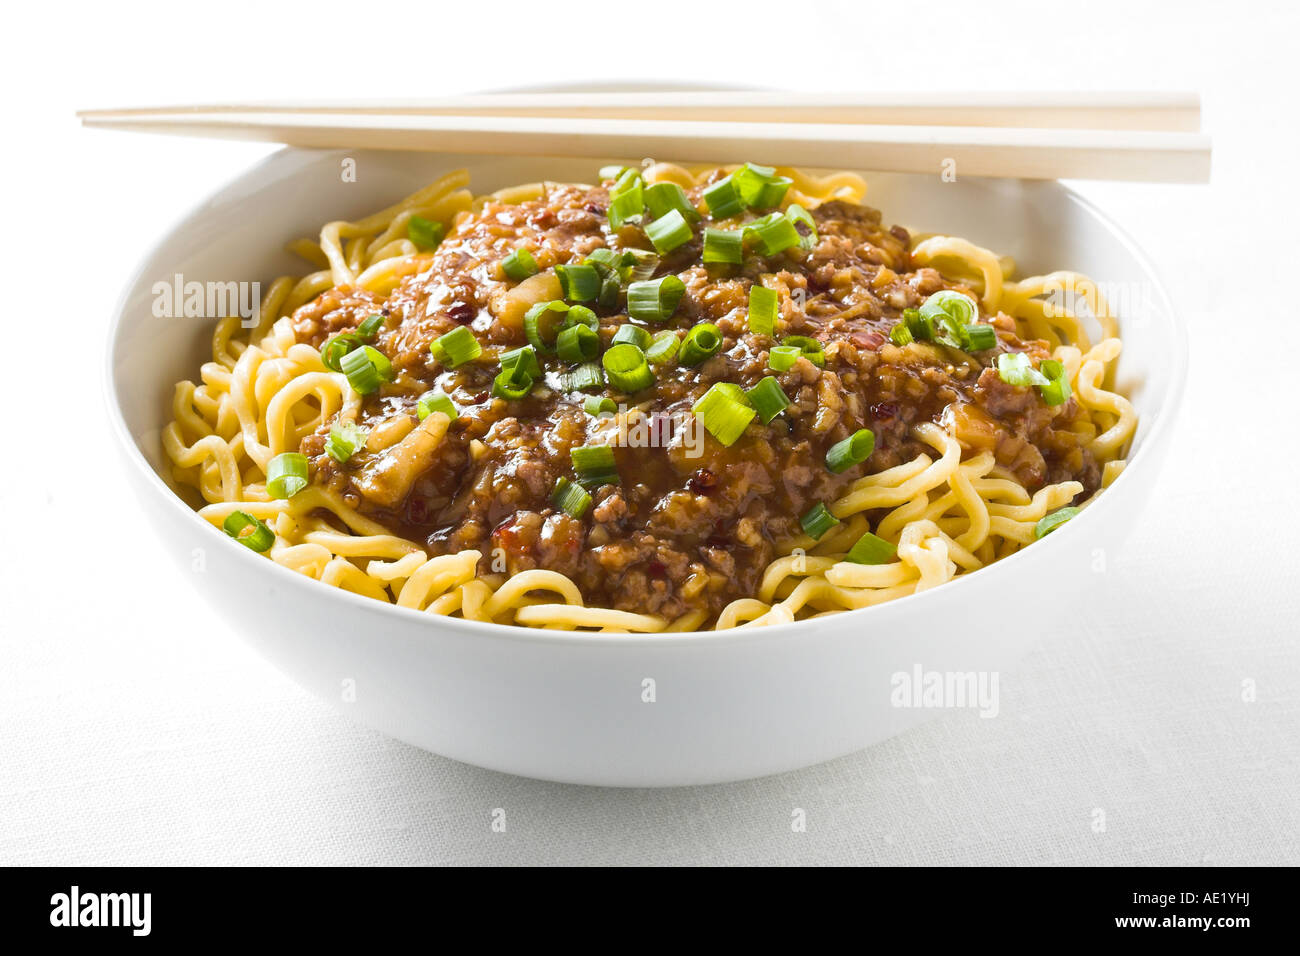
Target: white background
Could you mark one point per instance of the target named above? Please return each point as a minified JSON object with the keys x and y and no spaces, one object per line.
{"x":127,"y":738}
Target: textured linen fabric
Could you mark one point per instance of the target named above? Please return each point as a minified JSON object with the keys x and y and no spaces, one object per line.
{"x":135,"y":729}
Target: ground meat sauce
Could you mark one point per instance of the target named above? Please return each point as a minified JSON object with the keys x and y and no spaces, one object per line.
{"x":692,"y":523}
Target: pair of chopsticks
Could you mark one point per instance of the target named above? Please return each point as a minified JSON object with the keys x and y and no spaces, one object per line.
{"x":1141,"y":137}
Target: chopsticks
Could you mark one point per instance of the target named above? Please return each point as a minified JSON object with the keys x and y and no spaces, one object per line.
{"x":1136,"y":137}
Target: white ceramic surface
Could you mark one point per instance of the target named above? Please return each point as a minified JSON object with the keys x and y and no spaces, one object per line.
{"x":570,"y":707}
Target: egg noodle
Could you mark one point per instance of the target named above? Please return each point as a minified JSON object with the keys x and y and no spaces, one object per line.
{"x":264,"y":391}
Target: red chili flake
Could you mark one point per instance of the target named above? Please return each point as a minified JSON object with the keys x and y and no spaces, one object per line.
{"x":480,"y":398}
{"x":702,"y":482}
{"x":884,"y":411}
{"x":595,"y":209}
{"x":417,"y":510}
{"x":657,"y":569}
{"x":461,"y":312}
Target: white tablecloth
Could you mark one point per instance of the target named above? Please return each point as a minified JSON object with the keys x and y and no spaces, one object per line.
{"x":1126,"y":737}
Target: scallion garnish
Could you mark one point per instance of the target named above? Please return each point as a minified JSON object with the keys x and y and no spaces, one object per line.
{"x":723,"y":198}
{"x":724,"y":245}
{"x":456,"y":347}
{"x":366,"y":368}
{"x":655,"y":300}
{"x":583,"y":378}
{"x":626,"y":368}
{"x":633,"y":335}
{"x":662,"y":348}
{"x":774,"y":233}
{"x":808,"y":347}
{"x":519,"y":265}
{"x":981,"y":337}
{"x":818,"y":521}
{"x":722,"y":410}
{"x":596,"y":405}
{"x":611,"y":172}
{"x":626,"y":199}
{"x":871,"y":549}
{"x":922,"y":328}
{"x":701,"y":342}
{"x":594,"y":465}
{"x":542,"y":323}
{"x":249,"y":531}
{"x":343,"y":440}
{"x":286,"y":474}
{"x":763,"y":306}
{"x":662,"y":198}
{"x":580,"y":281}
{"x":781,"y":358}
{"x":1014,"y":368}
{"x":425,"y":233}
{"x":636,"y":265}
{"x":370,"y":326}
{"x":800,"y":216}
{"x":436,"y":401}
{"x":570,"y":498}
{"x":1049,"y":523}
{"x":760,"y":187}
{"x":1057,"y":389}
{"x":957,"y":314}
{"x":332,"y":352}
{"x":900,"y":334}
{"x":768,"y":398}
{"x":577,"y":343}
{"x":668,"y":232}
{"x":522,"y":360}
{"x":854,"y":450}
{"x":512,"y":384}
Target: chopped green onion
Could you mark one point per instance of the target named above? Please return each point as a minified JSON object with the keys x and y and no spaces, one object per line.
{"x":900,"y":334}
{"x":519,"y":265}
{"x":602,"y":258}
{"x":723,"y":198}
{"x":570,"y":498}
{"x":580,"y":282}
{"x":668,"y":232}
{"x":436,"y":401}
{"x":808,"y":347}
{"x":655,"y":300}
{"x":1057,"y":389}
{"x":512,"y":384}
{"x":981,"y":337}
{"x":768,"y":398}
{"x":871,"y":549}
{"x":626,"y":199}
{"x":366,"y":368}
{"x":456,"y":347}
{"x":332,"y":352}
{"x":594,"y":466}
{"x":580,"y":315}
{"x":921,"y":327}
{"x":662,"y":198}
{"x":542,"y":322}
{"x":370,"y":327}
{"x":1014,"y":368}
{"x":636,"y":265}
{"x":1049,"y":523}
{"x":763,"y":307}
{"x":854,"y":450}
{"x":343,"y":440}
{"x":595,"y":406}
{"x":577,"y":343}
{"x":781,"y":358}
{"x":701,"y":342}
{"x":951,"y":303}
{"x":722,"y":410}
{"x":583,"y":378}
{"x":611,"y":172}
{"x":286,"y":474}
{"x":626,"y":368}
{"x":773,"y":233}
{"x":522,"y":360}
{"x":760,"y":187}
{"x":424,"y":233}
{"x":798,"y":215}
{"x":818,"y":521}
{"x":249,"y":531}
{"x":724,"y":245}
{"x":662,"y":348}
{"x":633,"y":335}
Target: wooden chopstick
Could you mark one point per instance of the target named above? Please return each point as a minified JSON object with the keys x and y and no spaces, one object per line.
{"x":1137,"y":156}
{"x":1154,"y":111}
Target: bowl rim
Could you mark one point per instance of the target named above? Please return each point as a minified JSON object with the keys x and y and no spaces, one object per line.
{"x":1156,"y":430}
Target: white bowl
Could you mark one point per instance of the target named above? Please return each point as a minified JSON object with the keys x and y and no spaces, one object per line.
{"x":569,"y":706}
